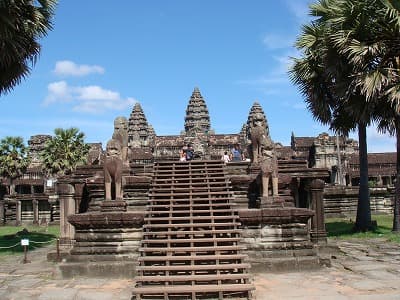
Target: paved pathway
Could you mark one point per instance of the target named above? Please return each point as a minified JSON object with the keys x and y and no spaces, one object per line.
{"x":361,"y":269}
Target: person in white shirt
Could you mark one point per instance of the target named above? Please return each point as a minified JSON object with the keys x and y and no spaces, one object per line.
{"x":225,"y":157}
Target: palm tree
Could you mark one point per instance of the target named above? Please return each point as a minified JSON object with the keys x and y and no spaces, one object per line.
{"x":13,"y":159}
{"x":64,"y":152}
{"x":22,"y":24}
{"x":375,"y":57}
{"x":325,"y":76}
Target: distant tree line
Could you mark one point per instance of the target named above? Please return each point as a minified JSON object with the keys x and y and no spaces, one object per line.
{"x":61,"y":155}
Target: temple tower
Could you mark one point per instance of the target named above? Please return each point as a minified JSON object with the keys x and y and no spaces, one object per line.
{"x":140,"y":133}
{"x":197,"y":125}
{"x":36,"y":145}
{"x":256,"y":108}
{"x":197,"y":119}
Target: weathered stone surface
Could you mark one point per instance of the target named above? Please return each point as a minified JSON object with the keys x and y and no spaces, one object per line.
{"x":100,"y":269}
{"x":342,"y":201}
{"x":106,"y":220}
{"x":275,"y":215}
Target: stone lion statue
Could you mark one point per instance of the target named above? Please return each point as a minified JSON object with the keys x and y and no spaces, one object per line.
{"x":269,"y":166}
{"x":121,"y":134}
{"x":258,"y":133}
{"x":113,"y":169}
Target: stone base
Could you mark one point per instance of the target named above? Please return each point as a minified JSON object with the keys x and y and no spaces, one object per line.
{"x":286,"y":264}
{"x":278,"y":239}
{"x":57,"y":257}
{"x":274,"y":215}
{"x":105,"y":244}
{"x":101,"y":269}
{"x":271,"y":202}
{"x":113,"y":206}
{"x":318,"y":236}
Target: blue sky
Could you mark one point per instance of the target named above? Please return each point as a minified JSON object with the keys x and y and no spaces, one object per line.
{"x":103,"y":56}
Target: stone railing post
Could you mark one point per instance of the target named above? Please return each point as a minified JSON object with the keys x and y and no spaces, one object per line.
{"x":2,"y":215}
{"x":35,"y":205}
{"x":318,"y":232}
{"x":18,"y":213}
{"x":66,"y":194}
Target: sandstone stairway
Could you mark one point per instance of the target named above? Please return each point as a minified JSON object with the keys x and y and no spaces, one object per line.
{"x":190,"y":247}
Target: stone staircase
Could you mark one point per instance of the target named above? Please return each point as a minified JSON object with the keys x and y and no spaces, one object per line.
{"x":190,"y":247}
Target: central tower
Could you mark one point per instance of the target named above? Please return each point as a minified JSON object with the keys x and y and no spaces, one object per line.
{"x":197,"y":119}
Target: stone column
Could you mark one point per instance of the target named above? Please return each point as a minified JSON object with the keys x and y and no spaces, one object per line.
{"x":294,"y":187}
{"x":318,"y":232}
{"x":18,"y":213}
{"x":2,"y":215}
{"x":66,"y":194}
{"x":35,"y":211}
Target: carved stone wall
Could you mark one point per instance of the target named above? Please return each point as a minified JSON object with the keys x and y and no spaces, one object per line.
{"x":342,"y":201}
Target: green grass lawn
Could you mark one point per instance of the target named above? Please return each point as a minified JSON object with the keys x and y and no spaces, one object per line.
{"x":38,"y":236}
{"x":343,"y":228}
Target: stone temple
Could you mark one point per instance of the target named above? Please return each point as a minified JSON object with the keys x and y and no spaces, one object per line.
{"x":191,"y":229}
{"x":198,"y":229}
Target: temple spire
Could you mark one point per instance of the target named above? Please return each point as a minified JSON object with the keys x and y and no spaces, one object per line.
{"x":140,"y":133}
{"x":197,"y":118}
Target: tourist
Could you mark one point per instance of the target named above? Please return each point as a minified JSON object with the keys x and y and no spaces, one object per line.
{"x":225,"y":157}
{"x":182,"y":155}
{"x":189,"y":152}
{"x":236,"y":154}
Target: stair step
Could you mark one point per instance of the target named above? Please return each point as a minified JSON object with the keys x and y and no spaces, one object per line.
{"x":194,"y":200}
{"x":194,"y":225}
{"x":199,"y":182}
{"x":203,"y":288}
{"x":192,"y":249}
{"x":194,"y":240}
{"x":195,"y":232}
{"x":194,"y":267}
{"x":192,"y":257}
{"x":173,"y":189}
{"x":168,"y":177}
{"x":194,"y":277}
{"x":189,"y":211}
{"x":193,"y":205}
{"x":189,"y":193}
{"x":191,"y":218}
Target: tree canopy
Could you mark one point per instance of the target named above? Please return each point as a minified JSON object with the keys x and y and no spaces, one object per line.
{"x":14,"y":158}
{"x":64,"y":152}
{"x":22,"y":24}
{"x":348,"y":71}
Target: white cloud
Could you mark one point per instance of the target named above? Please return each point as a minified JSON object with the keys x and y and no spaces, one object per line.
{"x":300,"y":9}
{"x":89,"y":99}
{"x":58,"y":92}
{"x":94,"y":92}
{"x":69,"y":68}
{"x":377,"y":142}
{"x":278,"y":41}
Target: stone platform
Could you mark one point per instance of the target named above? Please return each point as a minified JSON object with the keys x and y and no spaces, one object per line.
{"x":106,"y":243}
{"x":277,"y":239}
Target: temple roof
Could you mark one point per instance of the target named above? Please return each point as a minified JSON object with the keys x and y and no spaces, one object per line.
{"x":302,"y":142}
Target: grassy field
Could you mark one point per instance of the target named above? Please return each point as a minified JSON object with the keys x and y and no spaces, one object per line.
{"x":38,"y":236}
{"x":343,"y":228}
